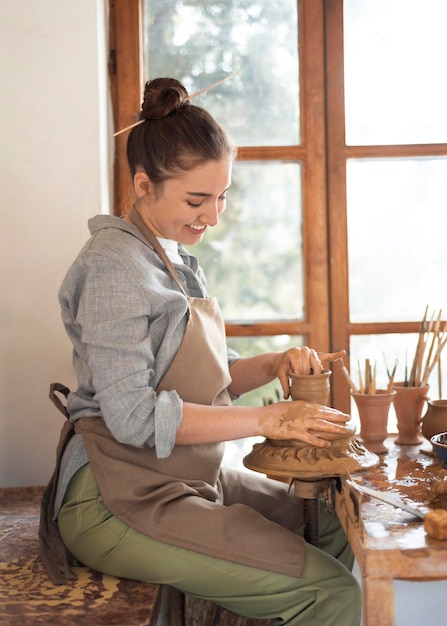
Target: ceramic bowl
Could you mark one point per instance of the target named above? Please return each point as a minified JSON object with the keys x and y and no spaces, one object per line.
{"x":439,"y":443}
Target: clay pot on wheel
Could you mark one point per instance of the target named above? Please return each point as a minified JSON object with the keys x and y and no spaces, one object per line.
{"x":284,"y":459}
{"x":311,"y":387}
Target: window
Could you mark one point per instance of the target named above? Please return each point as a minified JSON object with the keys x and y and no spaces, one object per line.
{"x":334,"y":231}
{"x":387,"y":171}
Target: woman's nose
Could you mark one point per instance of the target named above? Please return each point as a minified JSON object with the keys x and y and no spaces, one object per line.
{"x":212,"y":214}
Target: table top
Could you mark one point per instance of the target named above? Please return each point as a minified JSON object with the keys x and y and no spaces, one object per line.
{"x":406,"y":472}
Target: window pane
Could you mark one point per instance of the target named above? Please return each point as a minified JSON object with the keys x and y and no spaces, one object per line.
{"x":250,"y":346}
{"x":397,"y":225}
{"x":202,"y":41}
{"x":253,"y":259}
{"x":395,"y":68}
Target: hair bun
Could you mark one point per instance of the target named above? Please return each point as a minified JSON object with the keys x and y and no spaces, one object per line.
{"x":162,"y":96}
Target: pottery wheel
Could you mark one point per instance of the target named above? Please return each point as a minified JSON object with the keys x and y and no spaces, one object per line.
{"x":295,"y":459}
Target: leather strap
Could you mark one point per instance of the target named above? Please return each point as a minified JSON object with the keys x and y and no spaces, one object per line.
{"x":137,"y":221}
{"x":62,"y":389}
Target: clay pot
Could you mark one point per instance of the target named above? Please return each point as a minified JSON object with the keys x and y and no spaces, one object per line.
{"x":311,"y":387}
{"x":289,"y":458}
{"x":284,"y":459}
{"x":435,"y":419}
{"x":373,"y":413}
{"x":439,"y":443}
{"x":408,"y":403}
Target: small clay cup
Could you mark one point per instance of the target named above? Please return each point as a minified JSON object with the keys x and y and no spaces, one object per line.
{"x":373,"y":413}
{"x":311,"y":387}
{"x":408,"y":404}
{"x":435,"y":419}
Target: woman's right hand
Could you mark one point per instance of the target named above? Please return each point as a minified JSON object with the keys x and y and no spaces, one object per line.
{"x":300,"y":420}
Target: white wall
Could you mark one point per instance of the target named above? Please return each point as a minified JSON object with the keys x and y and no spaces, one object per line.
{"x":53,"y":177}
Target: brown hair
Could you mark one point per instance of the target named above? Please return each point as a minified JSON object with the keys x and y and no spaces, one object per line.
{"x":176,"y":135}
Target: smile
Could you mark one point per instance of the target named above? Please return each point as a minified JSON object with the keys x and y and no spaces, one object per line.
{"x":197,"y":229}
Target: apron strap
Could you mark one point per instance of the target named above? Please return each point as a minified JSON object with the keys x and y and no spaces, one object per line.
{"x":55,"y":556}
{"x":137,"y":221}
{"x":58,"y":387}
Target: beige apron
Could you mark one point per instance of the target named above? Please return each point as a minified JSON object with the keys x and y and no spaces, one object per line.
{"x":179,"y":500}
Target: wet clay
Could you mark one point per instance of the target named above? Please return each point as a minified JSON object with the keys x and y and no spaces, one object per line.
{"x":295,"y":459}
{"x":311,"y":387}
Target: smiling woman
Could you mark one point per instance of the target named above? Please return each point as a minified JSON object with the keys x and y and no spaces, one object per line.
{"x":168,"y":208}
{"x":139,"y":490}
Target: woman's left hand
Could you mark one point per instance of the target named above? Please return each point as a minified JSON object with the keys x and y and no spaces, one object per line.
{"x":302,"y":361}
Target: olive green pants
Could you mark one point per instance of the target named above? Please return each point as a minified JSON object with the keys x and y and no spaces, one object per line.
{"x":326,"y":594}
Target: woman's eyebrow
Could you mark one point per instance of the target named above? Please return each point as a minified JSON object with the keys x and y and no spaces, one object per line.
{"x":200,"y":194}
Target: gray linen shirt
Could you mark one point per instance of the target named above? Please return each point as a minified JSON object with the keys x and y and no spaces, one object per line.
{"x":126,"y":319}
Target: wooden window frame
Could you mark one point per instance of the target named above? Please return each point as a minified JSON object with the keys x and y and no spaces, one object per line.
{"x":323,"y":155}
{"x":126,"y":83}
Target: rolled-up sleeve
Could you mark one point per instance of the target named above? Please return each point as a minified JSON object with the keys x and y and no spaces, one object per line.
{"x":167,"y":420}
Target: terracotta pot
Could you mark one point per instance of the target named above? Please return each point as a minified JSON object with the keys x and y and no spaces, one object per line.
{"x":311,"y":387}
{"x":408,"y":403}
{"x":435,"y":419}
{"x":373,"y":413}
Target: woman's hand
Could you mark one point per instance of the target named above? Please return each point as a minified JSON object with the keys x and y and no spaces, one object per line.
{"x":300,"y":420}
{"x":301,"y":361}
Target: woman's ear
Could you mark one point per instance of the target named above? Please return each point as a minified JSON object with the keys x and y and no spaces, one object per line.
{"x":142,"y":185}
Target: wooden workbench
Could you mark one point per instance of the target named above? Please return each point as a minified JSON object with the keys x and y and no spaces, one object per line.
{"x":389,"y":543}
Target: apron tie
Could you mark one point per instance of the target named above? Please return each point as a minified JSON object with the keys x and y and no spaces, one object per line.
{"x":55,"y":556}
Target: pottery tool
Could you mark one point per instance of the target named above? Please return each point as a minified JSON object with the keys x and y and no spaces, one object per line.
{"x":436,"y":357}
{"x":347,"y":376}
{"x":419,"y":351}
{"x":386,"y":366}
{"x":367,"y":384}
{"x":434,"y":340}
{"x":423,"y":364}
{"x":367,"y":376}
{"x":406,"y":368}
{"x":391,"y":377}
{"x":428,"y":353}
{"x":372,"y":389}
{"x":385,"y":497}
{"x":361,"y":385}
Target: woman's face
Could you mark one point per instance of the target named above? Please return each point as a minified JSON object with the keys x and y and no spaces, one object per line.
{"x":184,"y":207}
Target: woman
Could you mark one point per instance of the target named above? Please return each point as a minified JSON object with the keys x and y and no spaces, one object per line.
{"x":140,"y":489}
